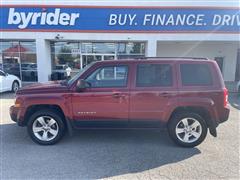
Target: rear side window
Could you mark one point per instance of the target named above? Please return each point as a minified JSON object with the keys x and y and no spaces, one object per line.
{"x":154,"y":75}
{"x":195,"y":75}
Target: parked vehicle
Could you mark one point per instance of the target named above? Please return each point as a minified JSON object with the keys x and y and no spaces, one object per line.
{"x":188,"y":96}
{"x":9,"y":82}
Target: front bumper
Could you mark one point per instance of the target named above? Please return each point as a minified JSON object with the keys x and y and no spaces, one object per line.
{"x":15,"y":114}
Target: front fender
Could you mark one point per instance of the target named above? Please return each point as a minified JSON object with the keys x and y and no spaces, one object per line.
{"x":62,"y":101}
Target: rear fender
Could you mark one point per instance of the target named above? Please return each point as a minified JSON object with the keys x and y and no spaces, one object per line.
{"x":192,"y":104}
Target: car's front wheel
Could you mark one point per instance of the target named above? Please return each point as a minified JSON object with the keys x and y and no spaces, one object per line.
{"x":187,"y":129}
{"x":46,"y":127}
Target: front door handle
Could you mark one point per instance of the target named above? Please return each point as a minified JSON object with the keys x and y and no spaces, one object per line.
{"x":117,"y":95}
{"x":164,"y":94}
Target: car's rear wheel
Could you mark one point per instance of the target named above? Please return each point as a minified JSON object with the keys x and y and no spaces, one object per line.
{"x":46,"y":127}
{"x":15,"y":86}
{"x":187,"y":129}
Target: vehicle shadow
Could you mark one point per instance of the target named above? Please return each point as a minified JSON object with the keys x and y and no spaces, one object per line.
{"x":88,"y":154}
{"x":234,"y":100}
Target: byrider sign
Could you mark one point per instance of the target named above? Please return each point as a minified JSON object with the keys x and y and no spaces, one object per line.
{"x":120,"y":19}
{"x":23,"y":20}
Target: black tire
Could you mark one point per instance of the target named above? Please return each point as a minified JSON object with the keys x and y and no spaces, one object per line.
{"x":46,"y":113}
{"x":175,"y":121}
{"x":15,"y":86}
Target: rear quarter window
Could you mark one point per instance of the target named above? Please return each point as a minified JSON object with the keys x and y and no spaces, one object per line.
{"x":196,"y":75}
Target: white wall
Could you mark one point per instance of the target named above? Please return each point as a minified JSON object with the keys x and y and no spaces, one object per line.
{"x":225,"y":49}
{"x":44,"y":62}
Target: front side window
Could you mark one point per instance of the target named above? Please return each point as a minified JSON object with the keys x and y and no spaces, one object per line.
{"x":110,"y":76}
{"x":195,"y":75}
{"x":154,"y":75}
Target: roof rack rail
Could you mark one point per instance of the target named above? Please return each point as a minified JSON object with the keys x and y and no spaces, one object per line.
{"x":202,"y":58}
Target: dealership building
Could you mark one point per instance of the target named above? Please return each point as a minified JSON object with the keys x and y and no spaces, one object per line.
{"x":41,"y":42}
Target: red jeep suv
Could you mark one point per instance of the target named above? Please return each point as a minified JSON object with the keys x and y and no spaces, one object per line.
{"x":188,"y":96}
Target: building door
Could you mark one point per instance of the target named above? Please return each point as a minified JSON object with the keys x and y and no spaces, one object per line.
{"x":219,"y":61}
{"x":237,"y":74}
{"x":89,"y":58}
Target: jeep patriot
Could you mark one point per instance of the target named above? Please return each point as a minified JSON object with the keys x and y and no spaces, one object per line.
{"x":187,"y":96}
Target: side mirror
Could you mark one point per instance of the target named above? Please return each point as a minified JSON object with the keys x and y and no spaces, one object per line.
{"x":82,"y":85}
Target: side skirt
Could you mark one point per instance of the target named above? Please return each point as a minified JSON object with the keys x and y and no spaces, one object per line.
{"x":117,"y":124}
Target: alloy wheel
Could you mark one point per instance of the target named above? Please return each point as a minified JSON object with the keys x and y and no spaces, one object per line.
{"x":45,"y":128}
{"x":188,"y":130}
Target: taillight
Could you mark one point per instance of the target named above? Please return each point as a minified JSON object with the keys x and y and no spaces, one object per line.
{"x":225,"y":94}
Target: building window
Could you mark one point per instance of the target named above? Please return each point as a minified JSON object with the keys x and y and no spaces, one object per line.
{"x":69,"y":57}
{"x":98,"y":48}
{"x":65,"y":59}
{"x":19,"y":58}
{"x":130,"y":50}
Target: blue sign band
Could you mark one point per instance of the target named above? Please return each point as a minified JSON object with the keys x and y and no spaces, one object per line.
{"x":120,"y":19}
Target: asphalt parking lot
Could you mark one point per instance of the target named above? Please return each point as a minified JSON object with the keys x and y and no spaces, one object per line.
{"x":118,"y":154}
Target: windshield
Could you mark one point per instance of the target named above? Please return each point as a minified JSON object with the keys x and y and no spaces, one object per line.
{"x":74,"y":78}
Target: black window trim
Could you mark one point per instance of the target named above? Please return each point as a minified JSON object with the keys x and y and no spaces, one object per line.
{"x":117,"y":65}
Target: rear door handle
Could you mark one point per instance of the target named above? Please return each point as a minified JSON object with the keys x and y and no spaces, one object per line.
{"x":165,"y":94}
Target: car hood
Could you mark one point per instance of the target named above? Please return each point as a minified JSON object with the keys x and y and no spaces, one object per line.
{"x":12,"y":76}
{"x":49,"y":87}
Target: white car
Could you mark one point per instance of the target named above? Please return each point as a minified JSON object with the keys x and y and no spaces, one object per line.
{"x":9,"y":82}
